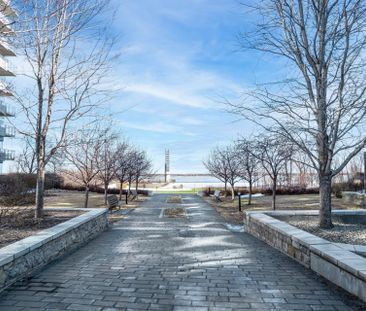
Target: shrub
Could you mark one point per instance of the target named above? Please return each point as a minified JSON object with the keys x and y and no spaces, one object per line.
{"x":337,"y":188}
{"x":16,"y":189}
{"x":267,"y":191}
{"x":98,"y":189}
{"x":19,"y":189}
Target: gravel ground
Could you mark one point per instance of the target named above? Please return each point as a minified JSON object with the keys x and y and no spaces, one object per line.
{"x":340,"y":233}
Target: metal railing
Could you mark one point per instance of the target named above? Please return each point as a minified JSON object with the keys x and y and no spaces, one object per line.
{"x":6,"y":46}
{"x":6,"y":66}
{"x":4,"y":90}
{"x":6,"y":110}
{"x":7,"y":131}
{"x":6,"y":155}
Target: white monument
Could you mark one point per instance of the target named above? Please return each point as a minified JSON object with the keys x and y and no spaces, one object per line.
{"x":167,"y":166}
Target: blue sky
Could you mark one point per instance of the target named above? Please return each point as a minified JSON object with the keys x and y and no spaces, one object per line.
{"x":179,"y":60}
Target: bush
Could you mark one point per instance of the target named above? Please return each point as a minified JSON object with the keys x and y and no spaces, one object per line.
{"x":98,"y":189}
{"x":16,"y":189}
{"x":337,"y":188}
{"x":267,"y":191}
{"x":19,"y":189}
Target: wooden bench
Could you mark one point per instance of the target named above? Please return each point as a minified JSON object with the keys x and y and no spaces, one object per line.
{"x":133,"y":193}
{"x":113,"y":201}
{"x":254,"y":195}
{"x":216,"y":195}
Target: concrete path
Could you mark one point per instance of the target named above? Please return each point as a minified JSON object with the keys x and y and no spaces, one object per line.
{"x":149,"y":262}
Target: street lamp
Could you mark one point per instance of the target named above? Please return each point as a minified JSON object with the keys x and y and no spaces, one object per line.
{"x":364,"y":172}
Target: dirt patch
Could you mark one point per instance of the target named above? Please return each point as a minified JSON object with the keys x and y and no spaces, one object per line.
{"x":340,"y":233}
{"x":174,"y":199}
{"x":177,"y":212}
{"x":18,"y":222}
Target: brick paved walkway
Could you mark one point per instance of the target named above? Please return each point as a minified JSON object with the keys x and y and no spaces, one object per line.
{"x":148,"y":262}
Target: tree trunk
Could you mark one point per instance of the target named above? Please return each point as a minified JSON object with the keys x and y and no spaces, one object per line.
{"x":225,"y":189}
{"x":40,"y":190}
{"x":105,"y":192}
{"x":137,"y":186}
{"x":325,"y":194}
{"x":274,"y":188}
{"x":120,"y":190}
{"x":232,"y":193}
{"x":250,"y":193}
{"x":86,"y":197}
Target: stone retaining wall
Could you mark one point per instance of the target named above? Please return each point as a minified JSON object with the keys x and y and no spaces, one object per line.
{"x":340,"y":266}
{"x":23,"y":258}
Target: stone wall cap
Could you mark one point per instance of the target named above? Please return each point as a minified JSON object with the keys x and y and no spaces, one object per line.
{"x":21,"y":247}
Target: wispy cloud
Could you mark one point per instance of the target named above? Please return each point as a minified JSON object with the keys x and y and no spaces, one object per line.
{"x":172,"y":95}
{"x":158,"y":127}
{"x":177,"y":66}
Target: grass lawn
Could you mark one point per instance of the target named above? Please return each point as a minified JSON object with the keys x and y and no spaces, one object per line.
{"x":230,"y":211}
{"x":62,"y":198}
{"x":176,"y":191}
{"x":66,"y":198}
{"x":18,"y":222}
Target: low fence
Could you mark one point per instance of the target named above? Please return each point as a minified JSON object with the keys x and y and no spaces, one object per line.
{"x":340,"y":266}
{"x":23,"y":258}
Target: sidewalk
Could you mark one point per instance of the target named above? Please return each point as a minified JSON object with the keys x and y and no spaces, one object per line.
{"x":149,"y":262}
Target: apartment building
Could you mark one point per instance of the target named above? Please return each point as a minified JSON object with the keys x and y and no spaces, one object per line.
{"x":7,"y":15}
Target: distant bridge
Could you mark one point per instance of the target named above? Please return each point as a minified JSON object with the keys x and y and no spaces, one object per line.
{"x":186,"y":174}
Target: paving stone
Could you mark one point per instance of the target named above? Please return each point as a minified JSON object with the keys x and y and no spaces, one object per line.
{"x":149,"y":263}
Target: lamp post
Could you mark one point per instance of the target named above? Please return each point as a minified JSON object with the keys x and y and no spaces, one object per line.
{"x":239,"y":195}
{"x":364,"y":172}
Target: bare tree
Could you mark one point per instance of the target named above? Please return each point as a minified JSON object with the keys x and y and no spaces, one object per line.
{"x":66,"y":71}
{"x":217,"y":166}
{"x":84,"y":156}
{"x":321,"y":107}
{"x":250,"y":164}
{"x":123,"y":165}
{"x":231,"y":156}
{"x":141,"y":166}
{"x":108,"y":160}
{"x":224,"y":164}
{"x":26,"y":161}
{"x":273,"y":153}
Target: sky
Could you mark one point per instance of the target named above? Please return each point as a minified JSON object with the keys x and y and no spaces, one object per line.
{"x":179,"y":62}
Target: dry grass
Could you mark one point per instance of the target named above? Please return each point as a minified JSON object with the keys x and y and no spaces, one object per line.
{"x":18,"y":222}
{"x":174,"y":199}
{"x":230,"y":209}
{"x":66,"y":198}
{"x":177,"y":212}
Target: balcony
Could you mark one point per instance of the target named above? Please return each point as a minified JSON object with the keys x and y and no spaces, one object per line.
{"x":6,"y":155}
{"x":5,"y":49}
{"x":6,"y":70}
{"x":6,"y":110}
{"x":4,"y":90}
{"x":6,"y":9}
{"x":5,"y":26}
{"x":7,"y":131}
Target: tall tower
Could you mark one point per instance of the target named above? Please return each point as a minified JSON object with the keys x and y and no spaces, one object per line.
{"x":167,"y":166}
{"x":6,"y":70}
